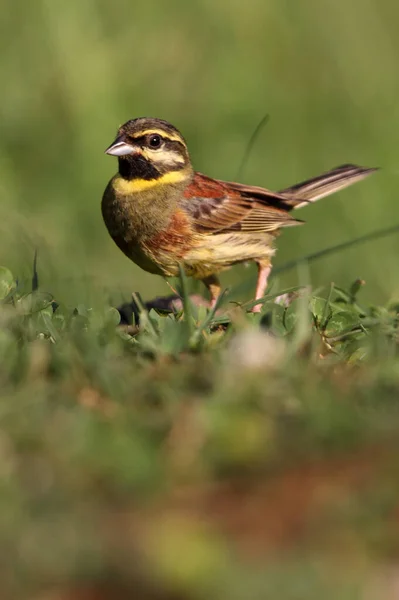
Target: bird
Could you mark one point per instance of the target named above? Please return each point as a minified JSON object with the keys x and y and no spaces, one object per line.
{"x":165,"y":216}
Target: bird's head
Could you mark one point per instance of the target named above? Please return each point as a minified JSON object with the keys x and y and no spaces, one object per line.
{"x":150,"y":149}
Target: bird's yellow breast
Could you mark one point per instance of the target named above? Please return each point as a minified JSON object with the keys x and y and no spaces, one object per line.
{"x":135,"y":186}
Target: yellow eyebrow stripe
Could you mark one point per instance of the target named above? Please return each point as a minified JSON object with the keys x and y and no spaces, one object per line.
{"x":161,"y":132}
{"x":133,"y":186}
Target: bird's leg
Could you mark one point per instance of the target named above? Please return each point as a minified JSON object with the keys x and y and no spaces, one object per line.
{"x":261,"y":284}
{"x":213,"y":285}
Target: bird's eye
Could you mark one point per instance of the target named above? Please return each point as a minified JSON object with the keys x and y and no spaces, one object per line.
{"x":155,"y":141}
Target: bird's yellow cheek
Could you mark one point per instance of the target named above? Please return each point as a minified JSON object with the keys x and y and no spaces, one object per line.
{"x":163,"y":156}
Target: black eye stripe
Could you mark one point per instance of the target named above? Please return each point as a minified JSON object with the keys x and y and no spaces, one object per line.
{"x":143,"y":140}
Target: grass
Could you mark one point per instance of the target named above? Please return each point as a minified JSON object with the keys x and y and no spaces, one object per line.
{"x":189,"y":454}
{"x":199,"y":454}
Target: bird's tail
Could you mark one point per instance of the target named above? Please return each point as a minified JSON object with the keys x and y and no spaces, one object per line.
{"x":328,"y":183}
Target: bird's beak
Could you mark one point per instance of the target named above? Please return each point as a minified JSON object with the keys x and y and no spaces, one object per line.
{"x":120,"y":148}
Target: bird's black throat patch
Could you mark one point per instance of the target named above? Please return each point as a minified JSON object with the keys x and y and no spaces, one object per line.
{"x":137,"y":167}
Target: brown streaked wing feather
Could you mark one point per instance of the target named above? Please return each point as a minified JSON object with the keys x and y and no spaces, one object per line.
{"x":218,"y":206}
{"x":263,"y":195}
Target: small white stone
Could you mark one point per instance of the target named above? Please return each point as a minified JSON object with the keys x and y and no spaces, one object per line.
{"x":255,"y":349}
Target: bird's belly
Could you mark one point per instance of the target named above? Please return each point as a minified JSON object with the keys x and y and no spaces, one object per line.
{"x":221,"y":251}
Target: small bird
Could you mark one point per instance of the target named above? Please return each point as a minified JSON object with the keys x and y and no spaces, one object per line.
{"x":162,"y":214}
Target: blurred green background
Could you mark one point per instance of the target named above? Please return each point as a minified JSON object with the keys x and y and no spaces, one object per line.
{"x":326,"y":72}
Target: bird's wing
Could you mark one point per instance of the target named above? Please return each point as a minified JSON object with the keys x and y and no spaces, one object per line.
{"x":217,"y":206}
